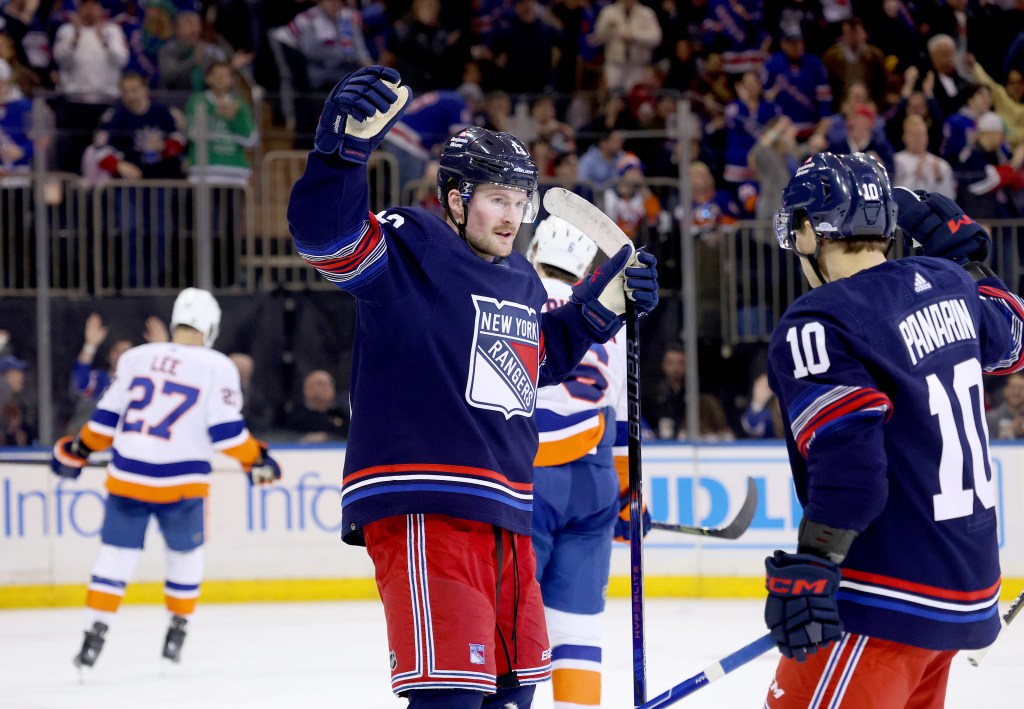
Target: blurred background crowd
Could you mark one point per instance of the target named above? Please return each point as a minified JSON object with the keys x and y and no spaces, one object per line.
{"x":152,"y":143}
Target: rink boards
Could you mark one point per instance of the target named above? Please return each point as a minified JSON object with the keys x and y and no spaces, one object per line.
{"x":282,"y":542}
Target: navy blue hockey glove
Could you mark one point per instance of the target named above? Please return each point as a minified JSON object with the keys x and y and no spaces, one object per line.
{"x":940,"y":227}
{"x":359,"y":112}
{"x":70,"y":455}
{"x":265,"y":470}
{"x":623,"y":533}
{"x":602,"y":294}
{"x":801,"y":610}
{"x":642,"y":281}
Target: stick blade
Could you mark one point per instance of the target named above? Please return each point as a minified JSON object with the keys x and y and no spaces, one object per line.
{"x":586,"y":217}
{"x":733,"y":530}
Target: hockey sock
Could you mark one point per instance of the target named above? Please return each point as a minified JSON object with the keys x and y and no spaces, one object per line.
{"x":444,"y":699}
{"x":575,"y":658}
{"x":110,"y":575}
{"x":184,"y":574}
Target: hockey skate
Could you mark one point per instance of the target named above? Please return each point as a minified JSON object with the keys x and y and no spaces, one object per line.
{"x":91,"y":646}
{"x":175,"y":638}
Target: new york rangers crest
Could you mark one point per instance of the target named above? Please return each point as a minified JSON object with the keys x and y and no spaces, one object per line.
{"x":505,"y":357}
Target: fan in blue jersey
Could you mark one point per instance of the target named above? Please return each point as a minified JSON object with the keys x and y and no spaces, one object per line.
{"x":452,"y":342}
{"x":878,"y":370}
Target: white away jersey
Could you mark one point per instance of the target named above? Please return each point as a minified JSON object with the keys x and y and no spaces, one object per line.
{"x":169,"y":408}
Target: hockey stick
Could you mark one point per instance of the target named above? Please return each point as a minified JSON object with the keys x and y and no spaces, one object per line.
{"x":975,"y":656}
{"x":733,"y":530}
{"x":714,"y":672}
{"x":610,"y":238}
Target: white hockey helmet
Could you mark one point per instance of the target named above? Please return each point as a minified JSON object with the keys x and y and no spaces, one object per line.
{"x":558,"y":243}
{"x":198,"y":309}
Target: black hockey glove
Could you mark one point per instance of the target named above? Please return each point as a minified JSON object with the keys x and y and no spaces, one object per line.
{"x":801,"y":610}
{"x":359,"y":112}
{"x":940,"y":227}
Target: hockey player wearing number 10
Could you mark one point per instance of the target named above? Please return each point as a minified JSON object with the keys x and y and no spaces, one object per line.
{"x":878,"y":370}
{"x":451,"y":345}
{"x":169,"y":407}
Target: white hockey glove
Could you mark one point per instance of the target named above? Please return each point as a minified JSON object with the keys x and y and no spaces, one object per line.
{"x":359,"y":112}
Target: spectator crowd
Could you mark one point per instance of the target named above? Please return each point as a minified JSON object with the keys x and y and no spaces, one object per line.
{"x":932,"y":88}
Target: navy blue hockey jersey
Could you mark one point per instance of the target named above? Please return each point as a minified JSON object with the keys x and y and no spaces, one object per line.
{"x":880,"y":380}
{"x":449,"y":352}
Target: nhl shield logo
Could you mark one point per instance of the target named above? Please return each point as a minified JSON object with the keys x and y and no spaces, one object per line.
{"x":505,"y":357}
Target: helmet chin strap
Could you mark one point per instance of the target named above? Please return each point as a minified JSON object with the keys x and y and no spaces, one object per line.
{"x":460,"y":228}
{"x":813,"y":260}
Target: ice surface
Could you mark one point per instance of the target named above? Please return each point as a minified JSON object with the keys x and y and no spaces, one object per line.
{"x":313,"y":655}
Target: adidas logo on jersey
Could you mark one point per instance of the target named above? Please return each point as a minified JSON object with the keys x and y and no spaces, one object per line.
{"x":920,"y":284}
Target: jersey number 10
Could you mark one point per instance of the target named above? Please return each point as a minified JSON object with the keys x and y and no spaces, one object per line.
{"x":955,"y":500}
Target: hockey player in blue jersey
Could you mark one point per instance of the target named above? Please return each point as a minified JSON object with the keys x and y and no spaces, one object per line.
{"x":878,"y":370}
{"x":583,"y":437}
{"x":451,"y":346}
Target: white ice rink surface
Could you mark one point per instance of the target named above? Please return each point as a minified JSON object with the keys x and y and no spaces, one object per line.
{"x":312,"y":655}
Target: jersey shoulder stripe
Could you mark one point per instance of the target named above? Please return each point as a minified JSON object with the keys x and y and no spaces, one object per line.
{"x":822,"y":408}
{"x":354,"y":259}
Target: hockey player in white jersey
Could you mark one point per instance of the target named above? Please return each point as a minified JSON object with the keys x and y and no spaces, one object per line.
{"x":583,"y":441}
{"x":169,"y":408}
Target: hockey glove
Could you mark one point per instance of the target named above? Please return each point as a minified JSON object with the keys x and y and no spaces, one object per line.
{"x":602,"y":295}
{"x":801,"y":611}
{"x":622,"y":529}
{"x":359,"y":112}
{"x":265,"y":470}
{"x":939,"y":226}
{"x":70,"y":455}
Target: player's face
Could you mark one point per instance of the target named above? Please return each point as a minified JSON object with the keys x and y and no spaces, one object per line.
{"x":495,"y":215}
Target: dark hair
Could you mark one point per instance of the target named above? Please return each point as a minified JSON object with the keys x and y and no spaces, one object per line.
{"x":217,"y":63}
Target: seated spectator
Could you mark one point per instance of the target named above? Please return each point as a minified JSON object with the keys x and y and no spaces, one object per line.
{"x":614,"y":115}
{"x":599,"y":164}
{"x":763,"y":417}
{"x":861,"y":138}
{"x":916,"y":168}
{"x":90,"y":52}
{"x":664,"y":405}
{"x":630,"y":203}
{"x":712,"y":208}
{"x":1006,"y":421}
{"x":319,"y":417}
{"x":18,"y":423}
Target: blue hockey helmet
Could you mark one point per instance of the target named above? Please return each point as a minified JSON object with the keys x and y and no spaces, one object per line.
{"x":478,"y":156}
{"x":846,"y":197}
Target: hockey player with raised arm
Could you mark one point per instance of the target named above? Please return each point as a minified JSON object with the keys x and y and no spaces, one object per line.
{"x":168,"y":409}
{"x":451,"y":345}
{"x":878,"y":370}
